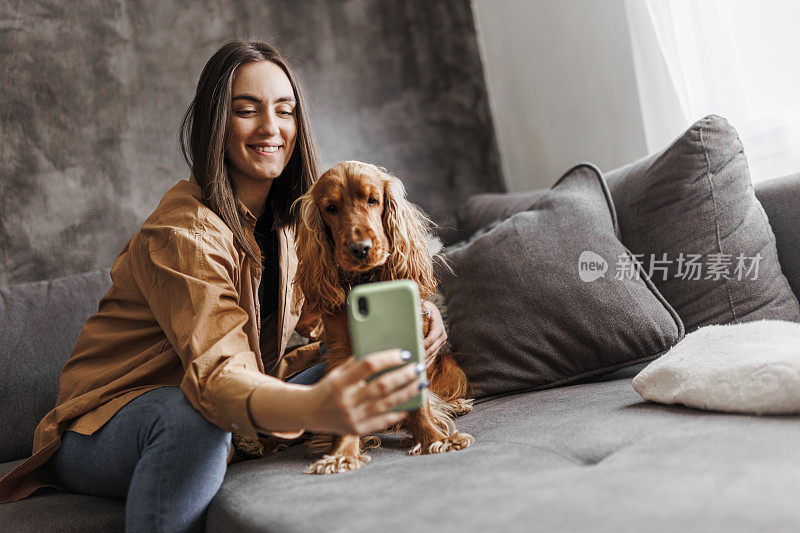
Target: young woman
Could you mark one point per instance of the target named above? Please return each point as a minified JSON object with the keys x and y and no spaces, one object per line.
{"x":188,"y":344}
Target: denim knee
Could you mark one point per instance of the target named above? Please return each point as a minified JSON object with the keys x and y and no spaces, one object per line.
{"x":186,"y":426}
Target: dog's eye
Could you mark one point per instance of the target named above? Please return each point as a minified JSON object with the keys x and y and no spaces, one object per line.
{"x":330,"y":208}
{"x":372,"y":200}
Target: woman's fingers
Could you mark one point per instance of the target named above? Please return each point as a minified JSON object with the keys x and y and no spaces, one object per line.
{"x":358,"y":370}
{"x":430,"y":358}
{"x":436,"y":333}
{"x":376,"y":411}
{"x":430,"y":353}
{"x":436,"y":336}
{"x":389,"y":382}
{"x":390,"y":401}
{"x":355,"y":405}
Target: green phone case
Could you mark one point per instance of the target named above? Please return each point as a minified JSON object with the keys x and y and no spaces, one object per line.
{"x":392,"y":320}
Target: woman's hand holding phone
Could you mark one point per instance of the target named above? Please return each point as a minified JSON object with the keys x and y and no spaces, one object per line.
{"x":345,"y":403}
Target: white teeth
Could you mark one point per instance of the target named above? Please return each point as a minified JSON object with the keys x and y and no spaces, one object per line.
{"x":268,"y":149}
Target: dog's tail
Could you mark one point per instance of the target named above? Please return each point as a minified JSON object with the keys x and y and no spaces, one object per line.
{"x":447,"y":379}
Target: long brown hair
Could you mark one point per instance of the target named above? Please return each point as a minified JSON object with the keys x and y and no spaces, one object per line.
{"x":202,"y":138}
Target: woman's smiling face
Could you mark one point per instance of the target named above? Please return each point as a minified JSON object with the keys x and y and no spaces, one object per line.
{"x":263,"y":127}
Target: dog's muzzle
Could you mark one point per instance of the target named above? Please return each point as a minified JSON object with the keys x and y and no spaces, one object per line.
{"x":360,"y":249}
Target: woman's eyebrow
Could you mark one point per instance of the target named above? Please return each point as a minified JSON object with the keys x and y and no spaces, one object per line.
{"x":256,"y":99}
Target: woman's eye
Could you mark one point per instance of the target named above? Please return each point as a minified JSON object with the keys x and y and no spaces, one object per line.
{"x":372,"y":200}
{"x":246,"y":112}
{"x":331,"y":208}
{"x":286,"y":112}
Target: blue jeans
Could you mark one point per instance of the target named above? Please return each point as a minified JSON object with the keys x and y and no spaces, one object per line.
{"x":158,"y":454}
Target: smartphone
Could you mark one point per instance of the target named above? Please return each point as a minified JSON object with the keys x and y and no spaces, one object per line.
{"x":385,"y":315}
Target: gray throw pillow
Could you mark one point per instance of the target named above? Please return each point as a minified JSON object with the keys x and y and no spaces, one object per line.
{"x":691,"y":213}
{"x":540,"y":299}
{"x":39,"y":325}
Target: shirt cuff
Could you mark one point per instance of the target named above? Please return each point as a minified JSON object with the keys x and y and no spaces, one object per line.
{"x":233,"y":390}
{"x":286,"y":435}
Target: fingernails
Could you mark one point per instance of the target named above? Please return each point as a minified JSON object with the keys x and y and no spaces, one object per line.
{"x":405,"y":355}
{"x":423,"y":384}
{"x":420,"y":368}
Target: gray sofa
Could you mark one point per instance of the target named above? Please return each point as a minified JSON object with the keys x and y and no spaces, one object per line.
{"x":591,"y":456}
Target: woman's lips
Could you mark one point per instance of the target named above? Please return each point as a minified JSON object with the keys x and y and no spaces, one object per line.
{"x":265,"y":151}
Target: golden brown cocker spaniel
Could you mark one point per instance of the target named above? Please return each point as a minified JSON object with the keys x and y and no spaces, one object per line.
{"x":356,"y":226}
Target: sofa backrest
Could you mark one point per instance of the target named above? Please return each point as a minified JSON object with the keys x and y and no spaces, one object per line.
{"x":39,"y":326}
{"x":780,"y":198}
{"x":781,"y":201}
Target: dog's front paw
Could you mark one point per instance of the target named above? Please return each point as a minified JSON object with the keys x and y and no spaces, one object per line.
{"x":451,"y":443}
{"x":336,"y":464}
{"x":461,"y":406}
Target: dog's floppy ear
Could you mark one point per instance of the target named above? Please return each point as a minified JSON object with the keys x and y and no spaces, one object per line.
{"x":406,"y":226}
{"x":316,"y":270}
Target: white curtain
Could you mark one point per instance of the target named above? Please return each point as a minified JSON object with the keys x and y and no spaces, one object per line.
{"x":734,"y":58}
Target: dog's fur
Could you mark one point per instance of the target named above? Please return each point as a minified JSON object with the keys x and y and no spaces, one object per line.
{"x":357,"y":223}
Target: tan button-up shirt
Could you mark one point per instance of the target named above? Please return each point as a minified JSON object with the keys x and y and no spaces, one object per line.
{"x":183,"y":311}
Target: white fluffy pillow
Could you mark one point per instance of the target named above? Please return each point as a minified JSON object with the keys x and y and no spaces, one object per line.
{"x":743,"y":368}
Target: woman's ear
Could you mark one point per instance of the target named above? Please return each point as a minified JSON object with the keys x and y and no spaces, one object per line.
{"x":317,"y":274}
{"x":406,"y":226}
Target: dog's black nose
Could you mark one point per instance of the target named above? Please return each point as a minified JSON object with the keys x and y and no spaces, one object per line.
{"x":360,"y":249}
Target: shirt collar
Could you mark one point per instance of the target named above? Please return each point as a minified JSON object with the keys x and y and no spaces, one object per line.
{"x":249,"y":217}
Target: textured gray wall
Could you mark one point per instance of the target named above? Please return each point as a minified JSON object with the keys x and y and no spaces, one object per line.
{"x":91,"y":95}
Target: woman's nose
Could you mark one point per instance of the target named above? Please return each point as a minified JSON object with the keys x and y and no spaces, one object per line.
{"x":268,"y":125}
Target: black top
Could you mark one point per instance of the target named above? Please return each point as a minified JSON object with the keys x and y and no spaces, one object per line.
{"x":267,"y":240}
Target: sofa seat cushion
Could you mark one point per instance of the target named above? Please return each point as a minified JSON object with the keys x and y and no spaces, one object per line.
{"x":52,"y":511}
{"x":585,"y":457}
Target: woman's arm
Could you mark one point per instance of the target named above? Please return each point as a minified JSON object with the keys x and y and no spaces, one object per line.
{"x":187,"y":277}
